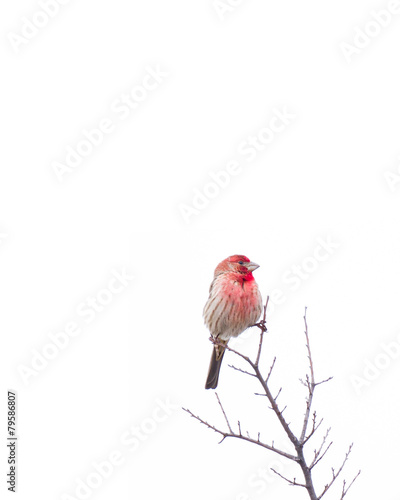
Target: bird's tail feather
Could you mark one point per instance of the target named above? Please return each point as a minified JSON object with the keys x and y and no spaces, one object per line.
{"x":215,"y":366}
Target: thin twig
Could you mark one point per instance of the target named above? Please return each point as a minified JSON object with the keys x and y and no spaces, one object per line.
{"x":322,"y":456}
{"x":317,"y":453}
{"x":335,"y":475}
{"x":240,"y":370}
{"x":270,"y":370}
{"x":345,"y":490}
{"x":223,"y":411}
{"x":323,"y":381}
{"x":308,"y":347}
{"x":310,"y":384}
{"x":292,"y":482}
{"x":274,"y":405}
{"x":241,"y":436}
{"x":276,"y":397}
{"x":263,"y":329}
{"x":314,"y":428}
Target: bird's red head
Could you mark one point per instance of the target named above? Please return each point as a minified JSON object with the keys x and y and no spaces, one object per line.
{"x":236,"y":264}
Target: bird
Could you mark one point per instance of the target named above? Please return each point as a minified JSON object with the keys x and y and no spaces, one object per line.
{"x":234,"y":304}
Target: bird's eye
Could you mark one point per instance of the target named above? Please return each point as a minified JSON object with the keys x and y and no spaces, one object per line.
{"x":241,"y":262}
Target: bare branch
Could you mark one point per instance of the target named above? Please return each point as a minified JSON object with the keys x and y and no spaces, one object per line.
{"x":310,"y":383}
{"x":323,"y":381}
{"x":241,"y":436}
{"x":263,"y":328}
{"x":335,"y":474}
{"x":321,"y":457}
{"x":315,"y":427}
{"x":270,"y":370}
{"x":223,"y":434}
{"x":305,"y":434}
{"x":308,"y":347}
{"x":240,"y":370}
{"x":303,"y":383}
{"x":223,"y":411}
{"x":317,"y":453}
{"x":274,"y":405}
{"x":292,"y":482}
{"x":276,"y":397}
{"x":345,"y":490}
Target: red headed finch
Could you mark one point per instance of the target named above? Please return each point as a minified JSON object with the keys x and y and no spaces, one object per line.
{"x":233,"y":305}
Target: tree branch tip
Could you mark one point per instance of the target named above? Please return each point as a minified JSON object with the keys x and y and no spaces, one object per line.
{"x":242,"y":371}
{"x":323,"y":381}
{"x":290,"y":481}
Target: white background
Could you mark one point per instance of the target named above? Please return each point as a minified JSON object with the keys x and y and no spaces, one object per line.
{"x":325,"y":177}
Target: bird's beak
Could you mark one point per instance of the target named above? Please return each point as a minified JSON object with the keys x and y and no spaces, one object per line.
{"x":252,"y":266}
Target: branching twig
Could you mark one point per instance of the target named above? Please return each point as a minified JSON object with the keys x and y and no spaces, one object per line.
{"x":241,"y":436}
{"x":310,"y":383}
{"x":223,"y":411}
{"x":292,"y":482}
{"x":240,"y":370}
{"x":316,"y":460}
{"x":298,"y":443}
{"x":344,"y":489}
{"x":315,"y":427}
{"x":317,"y":454}
{"x":335,"y":474}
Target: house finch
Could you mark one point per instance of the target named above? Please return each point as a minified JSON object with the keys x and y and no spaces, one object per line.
{"x":233,"y":305}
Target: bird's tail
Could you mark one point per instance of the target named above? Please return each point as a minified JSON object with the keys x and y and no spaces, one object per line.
{"x":215,"y":366}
